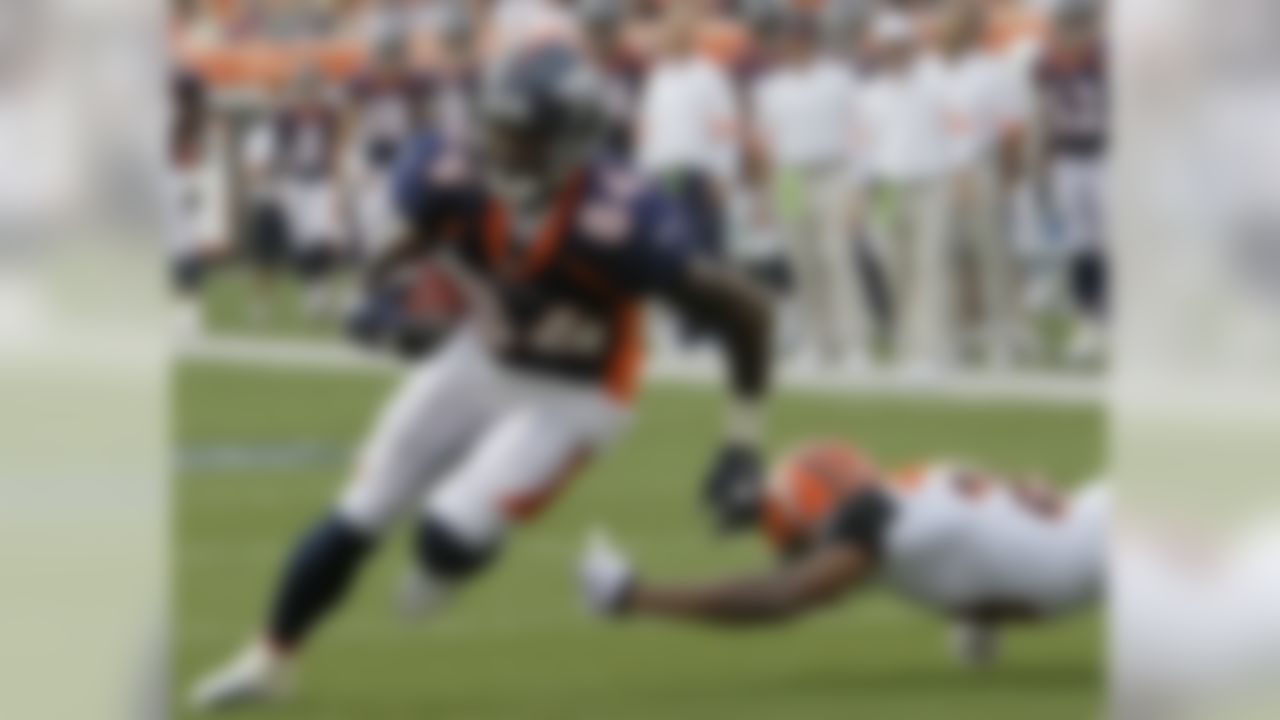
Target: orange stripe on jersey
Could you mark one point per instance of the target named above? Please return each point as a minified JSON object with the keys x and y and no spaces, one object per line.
{"x":553,"y":234}
{"x":623,"y":377}
{"x":497,"y":234}
{"x":549,"y":238}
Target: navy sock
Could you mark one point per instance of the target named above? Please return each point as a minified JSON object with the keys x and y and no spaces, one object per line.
{"x":1089,"y":283}
{"x":317,"y":576}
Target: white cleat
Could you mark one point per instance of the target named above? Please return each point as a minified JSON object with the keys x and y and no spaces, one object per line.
{"x":257,"y":676}
{"x":419,"y":596}
{"x":975,"y":644}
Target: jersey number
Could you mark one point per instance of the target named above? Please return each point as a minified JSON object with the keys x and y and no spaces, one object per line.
{"x":561,"y":331}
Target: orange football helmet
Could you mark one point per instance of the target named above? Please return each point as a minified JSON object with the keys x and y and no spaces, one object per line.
{"x":807,"y":485}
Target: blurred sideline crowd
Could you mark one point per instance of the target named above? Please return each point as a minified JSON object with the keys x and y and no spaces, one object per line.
{"x":921,"y":182}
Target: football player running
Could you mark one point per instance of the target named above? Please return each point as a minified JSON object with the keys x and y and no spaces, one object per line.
{"x":979,"y":550}
{"x":559,"y":248}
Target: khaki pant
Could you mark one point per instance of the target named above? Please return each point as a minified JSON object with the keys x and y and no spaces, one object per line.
{"x":915,"y":248}
{"x":818,"y":211}
{"x":978,"y":226}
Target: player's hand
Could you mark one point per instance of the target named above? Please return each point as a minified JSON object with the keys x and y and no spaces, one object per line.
{"x":605,"y":575}
{"x":380,"y":320}
{"x":733,"y":488}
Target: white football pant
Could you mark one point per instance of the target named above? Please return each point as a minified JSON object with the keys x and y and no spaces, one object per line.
{"x":475,"y":445}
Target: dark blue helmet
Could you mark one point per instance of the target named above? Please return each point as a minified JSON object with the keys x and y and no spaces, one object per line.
{"x":543,"y":116}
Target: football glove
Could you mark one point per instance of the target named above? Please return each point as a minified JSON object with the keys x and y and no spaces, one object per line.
{"x":605,"y":576}
{"x":374,"y":315}
{"x":733,"y":489}
{"x":381,"y":320}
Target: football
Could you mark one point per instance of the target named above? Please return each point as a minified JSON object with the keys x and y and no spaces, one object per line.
{"x":436,"y":294}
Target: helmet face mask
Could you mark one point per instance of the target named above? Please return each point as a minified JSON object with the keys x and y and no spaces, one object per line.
{"x":542,"y":119}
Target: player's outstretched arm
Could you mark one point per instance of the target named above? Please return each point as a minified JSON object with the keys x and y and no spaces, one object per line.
{"x":781,"y":595}
{"x":823,"y":577}
{"x":736,"y":310}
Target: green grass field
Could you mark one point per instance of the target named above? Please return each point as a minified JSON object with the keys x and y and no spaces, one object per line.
{"x":264,"y":452}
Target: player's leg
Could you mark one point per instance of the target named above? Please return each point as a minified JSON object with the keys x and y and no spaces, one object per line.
{"x":424,"y":429}
{"x":514,"y":473}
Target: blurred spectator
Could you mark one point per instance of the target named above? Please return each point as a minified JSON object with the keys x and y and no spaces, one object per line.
{"x":804,"y":114}
{"x":1016,"y":30}
{"x":905,"y":136}
{"x":515,"y":24}
{"x":979,"y":98}
{"x":689,"y":126}
{"x":378,"y":21}
{"x":457,"y":72}
{"x":306,"y":151}
{"x":266,"y":241}
{"x":200,"y":187}
{"x":1015,"y":33}
{"x":845,"y":25}
{"x":388,"y":103}
{"x":941,"y":140}
{"x":1075,"y":116}
{"x":604,"y":26}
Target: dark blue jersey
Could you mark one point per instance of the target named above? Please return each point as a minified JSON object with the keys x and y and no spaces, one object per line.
{"x":567,"y":299}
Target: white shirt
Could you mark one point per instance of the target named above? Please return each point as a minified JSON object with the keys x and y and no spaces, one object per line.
{"x":519,"y":24}
{"x":980,"y":103}
{"x":903,"y":124}
{"x":1018,"y":64}
{"x":806,"y":113}
{"x":689,"y":119}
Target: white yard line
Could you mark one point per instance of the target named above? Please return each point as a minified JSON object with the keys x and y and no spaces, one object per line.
{"x":1044,"y":388}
